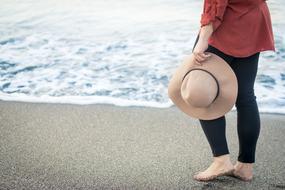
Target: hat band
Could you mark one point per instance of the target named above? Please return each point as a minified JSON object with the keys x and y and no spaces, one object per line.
{"x":218,"y":90}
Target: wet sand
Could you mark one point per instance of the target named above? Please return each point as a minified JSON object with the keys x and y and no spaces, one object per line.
{"x":64,"y":146}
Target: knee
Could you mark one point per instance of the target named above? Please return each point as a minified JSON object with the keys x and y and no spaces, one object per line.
{"x":245,"y":99}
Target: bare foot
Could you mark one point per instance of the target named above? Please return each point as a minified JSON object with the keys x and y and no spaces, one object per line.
{"x":219,"y":167}
{"x":243,"y":171}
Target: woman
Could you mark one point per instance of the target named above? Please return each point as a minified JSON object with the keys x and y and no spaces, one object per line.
{"x":237,"y":31}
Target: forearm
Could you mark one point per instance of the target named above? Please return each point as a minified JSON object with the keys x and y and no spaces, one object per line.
{"x":212,"y":17}
{"x":205,"y":32}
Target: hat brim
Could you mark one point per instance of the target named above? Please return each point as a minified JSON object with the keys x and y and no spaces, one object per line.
{"x":227,"y":82}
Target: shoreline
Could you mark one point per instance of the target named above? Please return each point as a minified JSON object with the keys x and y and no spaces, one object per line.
{"x":50,"y":146}
{"x":111,"y":104}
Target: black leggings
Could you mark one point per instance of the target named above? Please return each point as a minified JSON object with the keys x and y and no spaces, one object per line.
{"x":248,"y":120}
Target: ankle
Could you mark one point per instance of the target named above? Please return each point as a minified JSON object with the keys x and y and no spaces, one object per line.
{"x":222,"y":159}
{"x":242,"y":165}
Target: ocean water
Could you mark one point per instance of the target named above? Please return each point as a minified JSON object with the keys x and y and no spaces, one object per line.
{"x":112,"y":51}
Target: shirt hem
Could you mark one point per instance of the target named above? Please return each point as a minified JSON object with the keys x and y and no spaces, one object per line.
{"x":225,"y":51}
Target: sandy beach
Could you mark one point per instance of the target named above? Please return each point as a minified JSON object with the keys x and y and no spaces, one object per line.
{"x":64,"y":146}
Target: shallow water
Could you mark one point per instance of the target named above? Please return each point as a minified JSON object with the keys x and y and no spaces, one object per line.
{"x":115,"y":52}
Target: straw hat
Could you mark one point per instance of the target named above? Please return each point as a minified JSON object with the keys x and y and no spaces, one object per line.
{"x":205,"y":92}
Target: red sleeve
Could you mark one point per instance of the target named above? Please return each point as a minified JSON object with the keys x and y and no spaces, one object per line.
{"x":213,"y":12}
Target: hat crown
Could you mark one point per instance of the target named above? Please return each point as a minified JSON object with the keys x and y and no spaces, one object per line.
{"x":225,"y":79}
{"x":199,"y":88}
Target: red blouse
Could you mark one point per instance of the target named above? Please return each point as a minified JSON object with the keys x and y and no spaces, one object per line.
{"x":241,"y":28}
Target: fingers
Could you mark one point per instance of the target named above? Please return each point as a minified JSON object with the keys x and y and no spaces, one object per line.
{"x":198,"y":63}
{"x":200,"y":57}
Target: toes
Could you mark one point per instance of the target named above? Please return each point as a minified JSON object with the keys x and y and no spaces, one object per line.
{"x":203,"y":178}
{"x":199,"y":176}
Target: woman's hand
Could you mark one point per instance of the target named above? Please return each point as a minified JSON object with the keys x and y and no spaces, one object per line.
{"x":199,"y":51}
